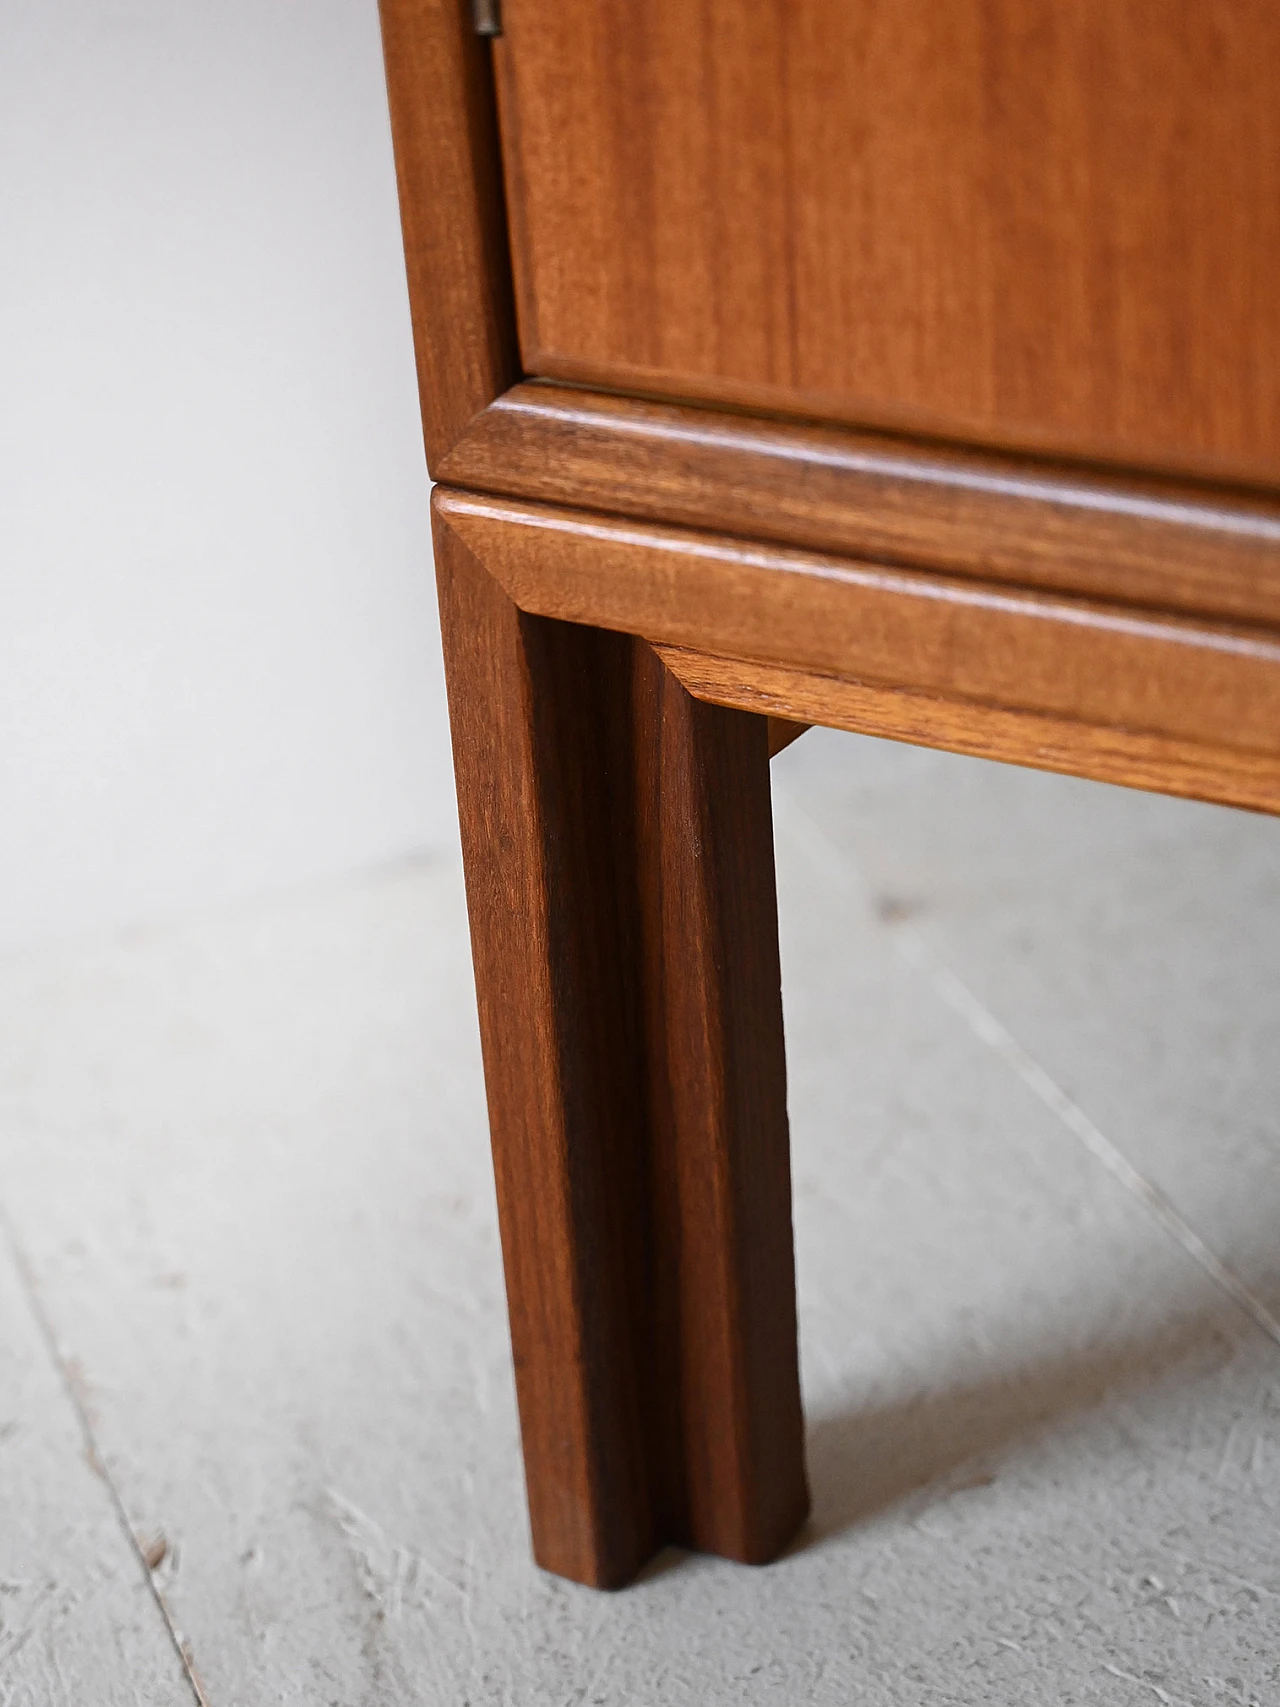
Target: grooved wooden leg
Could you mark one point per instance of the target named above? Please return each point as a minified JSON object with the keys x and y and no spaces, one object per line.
{"x":619,"y":870}
{"x":720,"y":1150}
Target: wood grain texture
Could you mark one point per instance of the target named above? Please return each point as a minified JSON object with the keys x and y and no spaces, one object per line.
{"x":1001,"y":518}
{"x":1194,"y":770}
{"x":723,"y":1265}
{"x":1011,"y":221}
{"x":444,"y":129}
{"x":535,"y":733}
{"x":1144,"y":672}
{"x":618,"y":854}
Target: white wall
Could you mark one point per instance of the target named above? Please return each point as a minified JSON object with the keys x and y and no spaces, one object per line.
{"x":219,"y":666}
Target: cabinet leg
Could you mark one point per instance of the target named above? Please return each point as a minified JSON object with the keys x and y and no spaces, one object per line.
{"x":619,"y":861}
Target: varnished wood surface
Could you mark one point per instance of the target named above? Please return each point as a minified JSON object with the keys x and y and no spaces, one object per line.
{"x":534,"y":732}
{"x":1012,"y":221}
{"x":723,"y":1270}
{"x":1195,"y":770}
{"x":443,"y":125}
{"x":1161,"y":543}
{"x":1145,"y":672}
{"x":618,"y":851}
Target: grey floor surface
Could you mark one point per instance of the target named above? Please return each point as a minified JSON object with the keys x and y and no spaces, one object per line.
{"x":257,"y":1435}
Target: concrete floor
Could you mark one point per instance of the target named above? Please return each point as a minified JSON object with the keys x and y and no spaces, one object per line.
{"x":251,"y":1319}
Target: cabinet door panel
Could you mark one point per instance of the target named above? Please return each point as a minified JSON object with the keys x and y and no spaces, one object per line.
{"x":1051,"y":224}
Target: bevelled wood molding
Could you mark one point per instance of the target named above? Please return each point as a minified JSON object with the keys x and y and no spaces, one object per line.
{"x":1187,"y":547}
{"x":821,"y":631}
{"x":1158,"y":763}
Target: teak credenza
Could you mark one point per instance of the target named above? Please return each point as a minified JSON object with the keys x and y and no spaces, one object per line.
{"x":902,"y":367}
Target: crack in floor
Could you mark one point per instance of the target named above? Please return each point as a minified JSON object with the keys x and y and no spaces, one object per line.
{"x":71,"y":1386}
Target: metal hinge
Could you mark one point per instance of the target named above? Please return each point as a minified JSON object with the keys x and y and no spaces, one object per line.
{"x":486,"y":17}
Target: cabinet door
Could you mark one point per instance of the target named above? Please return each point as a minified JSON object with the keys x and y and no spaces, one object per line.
{"x":1051,"y":224}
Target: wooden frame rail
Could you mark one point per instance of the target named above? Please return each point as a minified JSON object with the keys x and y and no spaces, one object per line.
{"x":1151,"y":699}
{"x":1176,"y":545}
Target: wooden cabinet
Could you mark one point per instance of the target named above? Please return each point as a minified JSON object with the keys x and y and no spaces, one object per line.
{"x":1018,"y":222}
{"x":909,"y":368}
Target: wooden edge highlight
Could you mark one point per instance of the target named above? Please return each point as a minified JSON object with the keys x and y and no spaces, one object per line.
{"x":1221,"y":775}
{"x":1200,"y":549}
{"x":448,"y":168}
